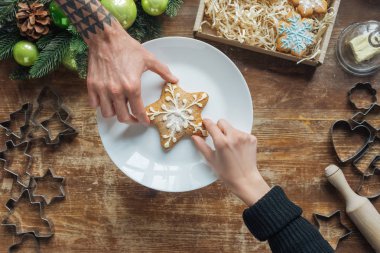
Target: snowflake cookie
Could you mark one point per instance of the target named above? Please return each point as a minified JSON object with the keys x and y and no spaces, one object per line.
{"x":177,"y":114}
{"x":308,"y":7}
{"x":294,"y":35}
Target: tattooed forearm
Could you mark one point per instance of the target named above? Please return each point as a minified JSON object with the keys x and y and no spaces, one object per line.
{"x":88,"y":16}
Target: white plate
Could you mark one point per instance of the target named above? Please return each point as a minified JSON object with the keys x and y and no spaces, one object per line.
{"x":136,"y":149}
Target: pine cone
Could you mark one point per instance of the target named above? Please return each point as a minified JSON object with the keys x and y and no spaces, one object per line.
{"x":32,"y":20}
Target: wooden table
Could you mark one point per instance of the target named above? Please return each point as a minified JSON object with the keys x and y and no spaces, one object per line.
{"x":294,"y":107}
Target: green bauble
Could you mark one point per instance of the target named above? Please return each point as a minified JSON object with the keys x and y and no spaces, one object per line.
{"x":69,"y":61}
{"x":59,"y":17}
{"x":154,"y":7}
{"x":125,"y":11}
{"x":25,"y":53}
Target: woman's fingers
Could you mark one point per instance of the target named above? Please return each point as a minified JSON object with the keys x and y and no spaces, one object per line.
{"x":202,"y":146}
{"x":213,"y":129}
{"x":224,"y":126}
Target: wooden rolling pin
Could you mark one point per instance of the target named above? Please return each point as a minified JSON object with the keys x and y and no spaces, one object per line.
{"x":361,"y":211}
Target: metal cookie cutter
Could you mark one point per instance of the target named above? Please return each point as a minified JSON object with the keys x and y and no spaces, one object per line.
{"x":336,"y":238}
{"x":26,"y":237}
{"x":368,"y":183}
{"x":52,"y":177}
{"x":362,"y":117}
{"x":11,"y":205}
{"x":26,"y":111}
{"x":69,"y":131}
{"x":24,"y":180}
{"x":47,"y":94}
{"x":360,"y":87}
{"x":361,"y":130}
{"x":367,"y":161}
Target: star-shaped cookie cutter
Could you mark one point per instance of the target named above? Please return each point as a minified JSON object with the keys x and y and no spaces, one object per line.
{"x":25,"y":146}
{"x":320,"y":217}
{"x":58,"y":179}
{"x":26,"y":237}
{"x":26,"y":111}
{"x":10,"y":206}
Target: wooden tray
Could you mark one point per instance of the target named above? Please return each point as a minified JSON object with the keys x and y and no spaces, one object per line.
{"x":209,"y":34}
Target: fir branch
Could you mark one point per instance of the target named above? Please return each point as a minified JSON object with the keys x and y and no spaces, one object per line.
{"x":7,"y":10}
{"x":45,"y":40}
{"x":145,"y":27}
{"x":20,"y":73}
{"x":173,"y":7}
{"x":71,"y":29}
{"x":82,"y":63}
{"x":7,"y":42}
{"x":77,"y":45}
{"x":51,"y":56}
{"x":44,"y":2}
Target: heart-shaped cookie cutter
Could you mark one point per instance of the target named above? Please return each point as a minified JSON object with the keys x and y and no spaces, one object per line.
{"x":365,"y":130}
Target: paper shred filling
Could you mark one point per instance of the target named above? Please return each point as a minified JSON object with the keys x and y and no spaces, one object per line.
{"x":254,"y":22}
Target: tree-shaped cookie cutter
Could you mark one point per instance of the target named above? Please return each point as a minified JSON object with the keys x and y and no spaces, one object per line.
{"x":26,"y":111}
{"x":13,"y":202}
{"x":59,"y":107}
{"x":69,"y":131}
{"x":58,"y":179}
{"x":318,"y":217}
{"x":14,"y":247}
{"x":25,"y":146}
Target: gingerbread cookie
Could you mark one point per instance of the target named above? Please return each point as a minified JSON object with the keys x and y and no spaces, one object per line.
{"x":177,"y":114}
{"x":294,"y":35}
{"x":307,"y":8}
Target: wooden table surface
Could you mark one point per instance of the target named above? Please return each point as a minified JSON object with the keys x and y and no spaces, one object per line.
{"x":294,"y":107}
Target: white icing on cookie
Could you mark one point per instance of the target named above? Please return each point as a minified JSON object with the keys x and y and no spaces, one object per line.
{"x":311,"y":4}
{"x":179,"y":115}
{"x":296,"y":34}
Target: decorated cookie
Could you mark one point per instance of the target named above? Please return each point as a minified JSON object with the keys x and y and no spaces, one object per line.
{"x":294,"y":35}
{"x":309,"y":7}
{"x":177,"y":114}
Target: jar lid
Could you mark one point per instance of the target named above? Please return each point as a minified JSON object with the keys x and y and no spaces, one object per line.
{"x":358,"y":48}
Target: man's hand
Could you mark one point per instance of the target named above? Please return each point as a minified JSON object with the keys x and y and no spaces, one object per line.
{"x":116,"y":61}
{"x":234,"y":160}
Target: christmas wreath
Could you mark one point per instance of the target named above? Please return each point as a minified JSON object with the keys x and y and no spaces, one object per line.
{"x":40,"y":37}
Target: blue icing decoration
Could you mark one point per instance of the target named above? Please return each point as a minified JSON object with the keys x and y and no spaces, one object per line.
{"x":298,"y":34}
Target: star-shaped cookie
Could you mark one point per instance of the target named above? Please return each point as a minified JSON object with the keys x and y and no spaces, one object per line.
{"x":177,"y":114}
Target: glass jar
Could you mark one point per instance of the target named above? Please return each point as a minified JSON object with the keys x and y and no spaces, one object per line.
{"x":358,"y":48}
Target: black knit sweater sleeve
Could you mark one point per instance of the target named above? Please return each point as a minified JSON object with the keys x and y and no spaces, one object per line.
{"x":276,"y":219}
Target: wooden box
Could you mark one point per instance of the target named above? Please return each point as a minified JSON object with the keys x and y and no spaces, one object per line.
{"x":210,"y":34}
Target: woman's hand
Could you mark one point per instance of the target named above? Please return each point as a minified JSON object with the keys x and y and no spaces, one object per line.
{"x":116,"y":63}
{"x":234,"y":160}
